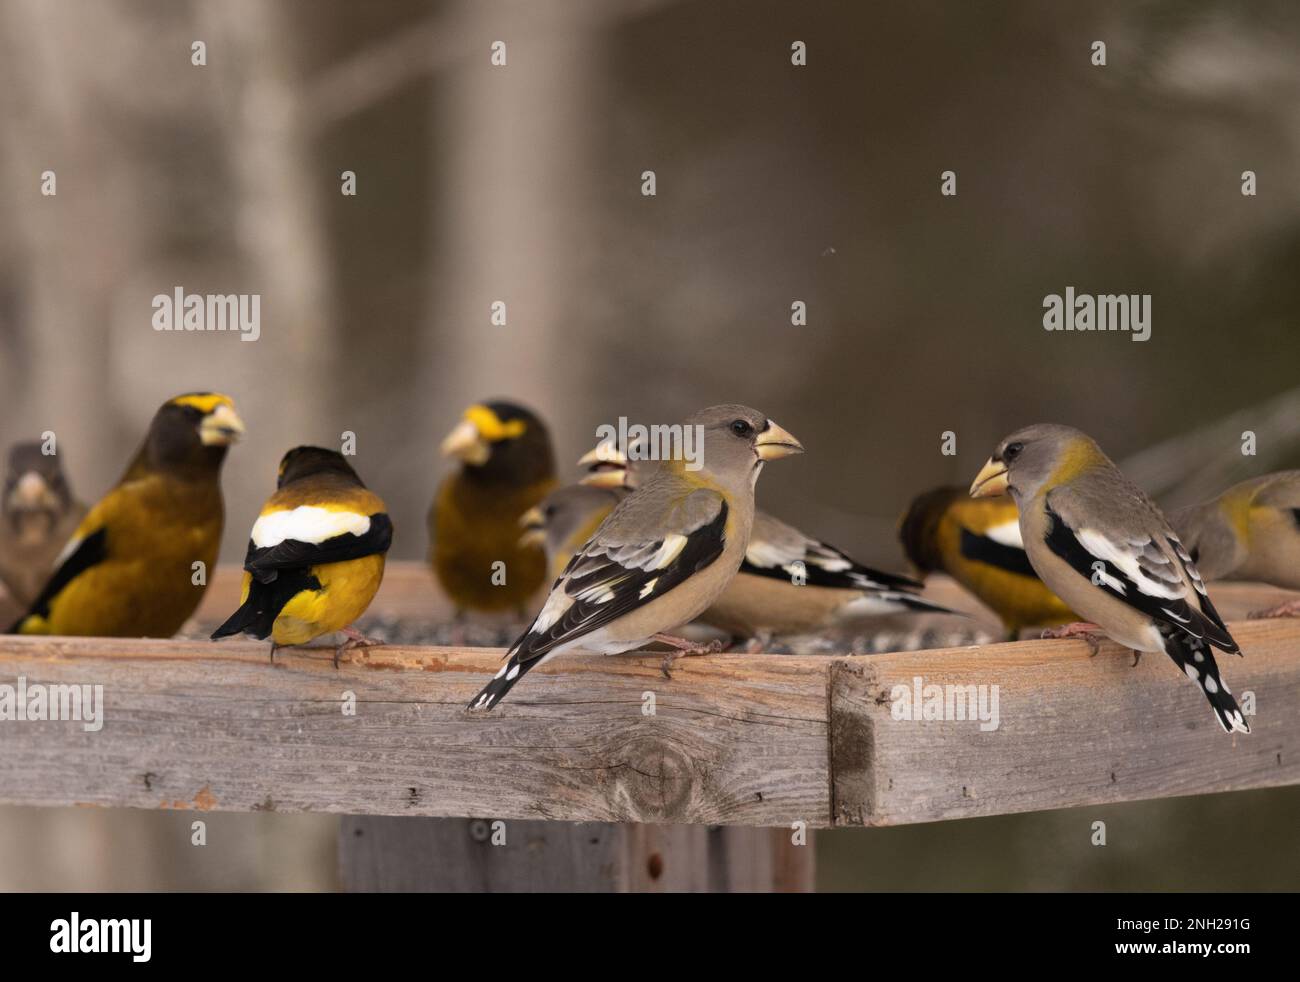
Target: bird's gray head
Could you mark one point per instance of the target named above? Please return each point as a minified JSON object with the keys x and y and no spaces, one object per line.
{"x":1028,"y":459}
{"x":724,"y":445}
{"x":737,"y":441}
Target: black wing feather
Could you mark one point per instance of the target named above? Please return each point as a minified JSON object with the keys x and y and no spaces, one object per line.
{"x":91,"y":551}
{"x":855,"y":577}
{"x":265,"y":564}
{"x":887,"y":587}
{"x":982,"y":549}
{"x":1177,"y":614}
{"x":703,"y":546}
{"x":257,"y":614}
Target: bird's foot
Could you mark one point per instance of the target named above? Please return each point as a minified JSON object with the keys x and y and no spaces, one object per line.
{"x":1137,"y":657}
{"x":273,"y":647}
{"x":759,"y":643}
{"x":1079,"y":629}
{"x":683,"y":647}
{"x":1289,"y":609}
{"x":355,"y":639}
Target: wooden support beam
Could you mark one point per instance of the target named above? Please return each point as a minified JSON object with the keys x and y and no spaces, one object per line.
{"x":378,"y":853}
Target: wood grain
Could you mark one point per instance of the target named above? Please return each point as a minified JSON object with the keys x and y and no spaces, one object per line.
{"x":1074,"y":729}
{"x":733,"y":740}
{"x":745,"y":740}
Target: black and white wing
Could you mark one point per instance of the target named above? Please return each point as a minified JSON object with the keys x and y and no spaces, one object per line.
{"x":643,"y":550}
{"x":1152,"y":573}
{"x":782,"y":552}
{"x":1149,"y":571}
{"x":312,"y":535}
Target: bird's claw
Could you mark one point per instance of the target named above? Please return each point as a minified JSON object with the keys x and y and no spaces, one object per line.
{"x":1290,"y":608}
{"x":682,"y":647}
{"x":1079,"y":629}
{"x":355,"y":639}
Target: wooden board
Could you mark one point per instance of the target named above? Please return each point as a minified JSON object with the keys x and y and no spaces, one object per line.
{"x":1073,"y":729}
{"x":751,"y":740}
{"x":732,"y":740}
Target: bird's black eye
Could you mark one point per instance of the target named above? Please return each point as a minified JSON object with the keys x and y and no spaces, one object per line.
{"x":741,"y":427}
{"x":1012,"y":451}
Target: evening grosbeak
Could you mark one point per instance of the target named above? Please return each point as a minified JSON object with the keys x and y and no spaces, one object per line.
{"x":315,"y":556}
{"x":506,"y":467}
{"x":1106,"y":550}
{"x":789,"y":583}
{"x":1250,"y":532}
{"x":37,"y":516}
{"x":977,"y":543}
{"x":130,"y":568}
{"x":663,"y":555}
{"x":564,"y":521}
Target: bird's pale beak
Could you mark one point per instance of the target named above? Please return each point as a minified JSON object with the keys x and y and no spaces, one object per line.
{"x":221,"y":427}
{"x":466,"y":443}
{"x":30,"y":493}
{"x":990,"y":481}
{"x":775,"y":442}
{"x":603,"y":453}
{"x":533,"y":524}
{"x":605,"y":477}
{"x":606,"y":466}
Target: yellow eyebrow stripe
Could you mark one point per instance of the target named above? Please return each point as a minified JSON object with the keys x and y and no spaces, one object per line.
{"x":204,"y":402}
{"x":489,"y":424}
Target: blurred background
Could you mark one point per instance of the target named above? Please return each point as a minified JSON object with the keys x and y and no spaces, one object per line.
{"x":774,"y":183}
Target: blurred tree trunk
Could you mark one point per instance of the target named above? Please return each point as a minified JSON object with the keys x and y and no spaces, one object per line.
{"x":150,"y":196}
{"x":279,"y":229}
{"x":73,"y":252}
{"x":507,"y":217}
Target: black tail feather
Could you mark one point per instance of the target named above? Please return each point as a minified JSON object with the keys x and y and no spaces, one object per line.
{"x":920,"y":604}
{"x":504,"y":680}
{"x":256,"y":615}
{"x":1195,"y":658}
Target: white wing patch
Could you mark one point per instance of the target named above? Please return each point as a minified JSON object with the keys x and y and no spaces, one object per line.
{"x":306,"y":523}
{"x":767,"y":555}
{"x":828,"y":561}
{"x":868,"y":605}
{"x":1007,"y":534}
{"x":556,"y":604}
{"x":670,"y":550}
{"x":1125,"y":557}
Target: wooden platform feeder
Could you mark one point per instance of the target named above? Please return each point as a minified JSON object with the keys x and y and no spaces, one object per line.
{"x":702,"y":781}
